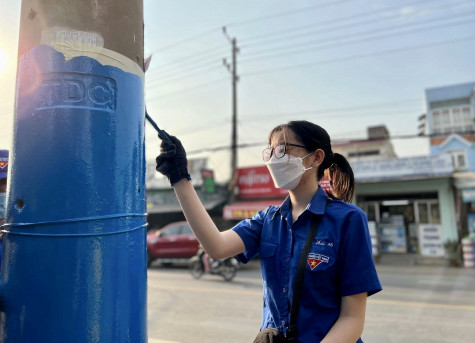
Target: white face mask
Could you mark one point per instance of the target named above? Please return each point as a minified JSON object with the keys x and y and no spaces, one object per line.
{"x":287,"y":171}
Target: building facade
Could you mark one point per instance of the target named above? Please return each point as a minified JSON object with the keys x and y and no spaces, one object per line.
{"x":449,"y":122}
{"x":377,"y":146}
{"x":410,"y":205}
{"x":410,"y":202}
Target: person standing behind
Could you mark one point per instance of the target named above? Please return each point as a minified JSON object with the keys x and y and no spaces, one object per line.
{"x":340,"y":272}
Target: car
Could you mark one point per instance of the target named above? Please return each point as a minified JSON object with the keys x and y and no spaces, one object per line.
{"x":173,"y":243}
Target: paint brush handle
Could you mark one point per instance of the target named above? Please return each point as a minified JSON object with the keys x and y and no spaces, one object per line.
{"x":161,"y":133}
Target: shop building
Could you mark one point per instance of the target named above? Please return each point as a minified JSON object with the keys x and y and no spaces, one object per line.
{"x":449,"y":121}
{"x":411,"y":204}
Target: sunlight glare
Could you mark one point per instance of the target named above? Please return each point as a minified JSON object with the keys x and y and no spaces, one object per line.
{"x":3,"y":61}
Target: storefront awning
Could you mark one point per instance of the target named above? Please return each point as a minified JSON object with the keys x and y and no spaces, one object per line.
{"x":409,"y":168}
{"x":247,"y":209}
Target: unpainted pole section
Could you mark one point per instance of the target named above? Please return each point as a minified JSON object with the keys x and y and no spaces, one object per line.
{"x":118,"y":22}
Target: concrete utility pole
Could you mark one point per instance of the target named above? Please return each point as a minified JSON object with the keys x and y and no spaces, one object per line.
{"x":74,"y":262}
{"x":235,"y":78}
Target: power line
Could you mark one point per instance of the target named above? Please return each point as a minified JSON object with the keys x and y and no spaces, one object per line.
{"x":264,"y":144}
{"x":205,"y":126}
{"x":417,"y":30}
{"x":378,"y":113}
{"x":223,"y":147}
{"x":286,"y":13}
{"x":176,"y":77}
{"x":333,"y":29}
{"x":343,"y":114}
{"x":199,"y":58}
{"x":164,"y":71}
{"x":333,"y":110}
{"x":186,"y":40}
{"x":212,"y":125}
{"x":353,"y":57}
{"x":216,"y":29}
{"x":202,"y":66}
{"x":160,"y":81}
{"x":185,"y":90}
{"x":206,"y":69}
{"x":265,"y":36}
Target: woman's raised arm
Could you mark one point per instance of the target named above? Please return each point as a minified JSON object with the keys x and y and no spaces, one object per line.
{"x":172,"y":163}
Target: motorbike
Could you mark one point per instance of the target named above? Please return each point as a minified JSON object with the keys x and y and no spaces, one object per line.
{"x":201,"y":263}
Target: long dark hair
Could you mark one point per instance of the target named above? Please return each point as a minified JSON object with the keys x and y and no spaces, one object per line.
{"x":315,"y":137}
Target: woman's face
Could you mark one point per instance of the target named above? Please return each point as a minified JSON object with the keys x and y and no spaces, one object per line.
{"x":287,"y":136}
{"x":312,"y":161}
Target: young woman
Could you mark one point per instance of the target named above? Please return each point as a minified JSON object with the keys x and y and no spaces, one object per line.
{"x":340,"y":273}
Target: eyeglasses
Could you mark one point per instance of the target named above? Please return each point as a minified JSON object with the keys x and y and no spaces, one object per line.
{"x":279,"y":151}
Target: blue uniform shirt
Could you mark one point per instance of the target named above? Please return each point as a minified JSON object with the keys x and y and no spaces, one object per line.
{"x":340,"y":262}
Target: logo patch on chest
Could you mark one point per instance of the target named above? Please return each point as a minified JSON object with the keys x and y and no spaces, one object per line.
{"x":314,"y":260}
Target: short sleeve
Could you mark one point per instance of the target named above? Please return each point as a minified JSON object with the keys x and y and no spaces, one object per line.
{"x":250,"y":232}
{"x":356,"y":265}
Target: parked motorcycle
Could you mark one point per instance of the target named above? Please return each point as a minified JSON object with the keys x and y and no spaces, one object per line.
{"x":201,"y":263}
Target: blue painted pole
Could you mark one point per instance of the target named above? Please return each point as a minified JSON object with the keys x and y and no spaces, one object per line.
{"x":74,"y":262}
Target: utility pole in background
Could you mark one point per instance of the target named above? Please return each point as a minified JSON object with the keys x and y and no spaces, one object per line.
{"x":234,"y":79}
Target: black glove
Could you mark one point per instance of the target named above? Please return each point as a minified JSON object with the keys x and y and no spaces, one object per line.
{"x":172,"y":160}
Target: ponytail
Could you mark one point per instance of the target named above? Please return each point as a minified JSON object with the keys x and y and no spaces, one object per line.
{"x":342,"y":179}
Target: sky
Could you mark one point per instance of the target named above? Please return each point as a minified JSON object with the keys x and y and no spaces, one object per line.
{"x":343,"y":64}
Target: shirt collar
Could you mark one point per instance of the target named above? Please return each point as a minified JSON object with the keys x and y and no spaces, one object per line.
{"x":316,"y":205}
{"x":284,"y":208}
{"x":318,"y":202}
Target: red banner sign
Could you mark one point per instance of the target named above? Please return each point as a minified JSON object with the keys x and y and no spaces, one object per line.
{"x":256,"y":182}
{"x":247,"y":209}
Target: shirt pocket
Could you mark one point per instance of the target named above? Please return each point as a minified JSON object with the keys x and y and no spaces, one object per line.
{"x":269,"y":263}
{"x":320,"y":258}
{"x":321,"y":273}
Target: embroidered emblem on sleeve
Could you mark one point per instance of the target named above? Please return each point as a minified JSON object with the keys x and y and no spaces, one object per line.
{"x":314,"y":260}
